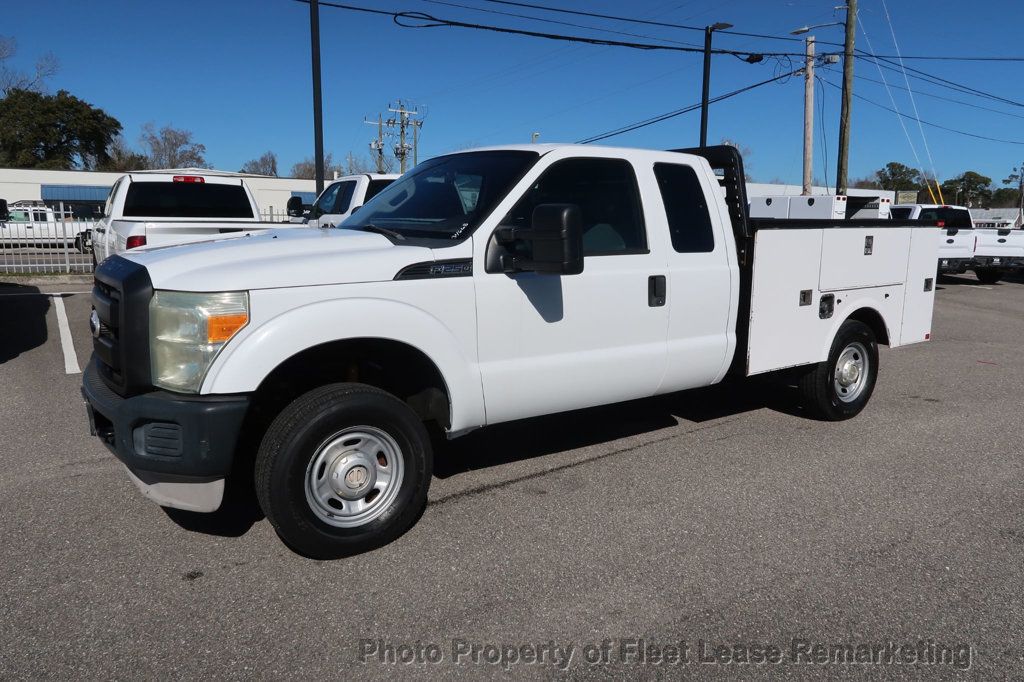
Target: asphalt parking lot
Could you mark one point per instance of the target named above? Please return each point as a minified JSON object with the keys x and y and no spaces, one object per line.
{"x":713,"y":517}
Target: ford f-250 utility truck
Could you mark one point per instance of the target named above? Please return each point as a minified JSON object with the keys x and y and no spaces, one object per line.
{"x":998,"y":250}
{"x":339,"y":199}
{"x":956,"y":247}
{"x":481,"y":287}
{"x":162,"y":208}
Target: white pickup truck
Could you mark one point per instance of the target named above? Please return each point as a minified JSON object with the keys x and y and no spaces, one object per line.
{"x":339,"y":199}
{"x":998,"y":250}
{"x":163,"y":208}
{"x":481,"y":287}
{"x":956,"y":247}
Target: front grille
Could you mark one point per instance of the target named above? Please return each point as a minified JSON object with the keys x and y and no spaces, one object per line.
{"x":120,"y":296}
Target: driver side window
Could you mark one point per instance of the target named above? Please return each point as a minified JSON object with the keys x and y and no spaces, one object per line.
{"x":605,"y":191}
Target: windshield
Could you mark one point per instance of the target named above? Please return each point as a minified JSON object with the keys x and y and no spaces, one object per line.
{"x":446,"y":197}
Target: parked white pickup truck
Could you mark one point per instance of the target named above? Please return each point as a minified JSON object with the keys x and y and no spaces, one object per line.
{"x":956,"y":247}
{"x":998,"y":250}
{"x":481,"y":287}
{"x":162,"y":208}
{"x":339,"y":199}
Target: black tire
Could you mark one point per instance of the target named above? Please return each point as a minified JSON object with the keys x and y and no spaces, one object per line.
{"x":297,"y":435}
{"x":818,"y":385}
{"x":988,"y":275}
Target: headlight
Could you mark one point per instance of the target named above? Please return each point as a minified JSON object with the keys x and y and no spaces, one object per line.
{"x":187,"y":330}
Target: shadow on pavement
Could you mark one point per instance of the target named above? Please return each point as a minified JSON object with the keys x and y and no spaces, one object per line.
{"x":23,"y":311}
{"x":529,"y":438}
{"x":237,"y":514}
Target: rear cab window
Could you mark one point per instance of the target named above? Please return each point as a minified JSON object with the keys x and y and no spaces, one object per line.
{"x":686,"y":208}
{"x":900,"y":213}
{"x":959,"y":218}
{"x":187,"y":200}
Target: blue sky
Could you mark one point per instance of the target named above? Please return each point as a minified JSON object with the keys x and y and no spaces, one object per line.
{"x":237,"y":74}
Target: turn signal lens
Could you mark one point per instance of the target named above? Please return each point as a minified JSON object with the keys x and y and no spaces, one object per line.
{"x":220,"y":328}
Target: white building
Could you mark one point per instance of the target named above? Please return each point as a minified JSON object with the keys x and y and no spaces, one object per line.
{"x":84,"y":192}
{"x":997,"y":217}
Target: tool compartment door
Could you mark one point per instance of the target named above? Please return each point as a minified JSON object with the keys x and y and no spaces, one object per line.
{"x":919,"y":293}
{"x":857,"y":257}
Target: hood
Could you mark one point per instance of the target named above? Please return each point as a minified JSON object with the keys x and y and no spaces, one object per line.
{"x":271,"y":259}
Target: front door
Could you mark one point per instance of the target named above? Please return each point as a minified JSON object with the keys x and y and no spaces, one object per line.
{"x":549,"y":343}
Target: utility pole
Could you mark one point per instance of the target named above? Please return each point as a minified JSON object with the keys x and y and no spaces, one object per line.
{"x":844,"y":115}
{"x":403,"y":122}
{"x":318,"y":107}
{"x":809,"y":117}
{"x":377,"y":146}
{"x":708,"y":30}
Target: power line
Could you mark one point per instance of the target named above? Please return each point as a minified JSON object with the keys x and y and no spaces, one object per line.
{"x":942,"y":98}
{"x":763,"y":36}
{"x":937,"y":80}
{"x":431,"y":21}
{"x":647,"y":22}
{"x":679,"y":112}
{"x":555,"y":21}
{"x":929,"y":123}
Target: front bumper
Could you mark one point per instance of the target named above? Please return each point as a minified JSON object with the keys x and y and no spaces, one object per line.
{"x":177,"y":449}
{"x":1000,"y":262}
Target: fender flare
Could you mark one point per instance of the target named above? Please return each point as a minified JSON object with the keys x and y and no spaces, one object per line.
{"x":246,"y":361}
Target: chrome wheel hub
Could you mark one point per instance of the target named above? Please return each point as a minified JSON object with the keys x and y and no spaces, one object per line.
{"x":851,"y":372}
{"x":354,"y":476}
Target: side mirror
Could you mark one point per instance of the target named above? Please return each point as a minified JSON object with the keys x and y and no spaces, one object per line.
{"x":294,"y":207}
{"x":355,"y":208}
{"x":553,"y":243}
{"x":5,"y":214}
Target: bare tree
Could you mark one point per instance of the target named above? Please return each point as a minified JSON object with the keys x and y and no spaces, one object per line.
{"x":13,"y":79}
{"x":172,"y":148}
{"x":306,"y":169}
{"x":122,"y":158}
{"x":265,"y":165}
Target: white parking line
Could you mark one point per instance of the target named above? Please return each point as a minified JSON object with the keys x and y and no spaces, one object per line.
{"x":66,"y":343}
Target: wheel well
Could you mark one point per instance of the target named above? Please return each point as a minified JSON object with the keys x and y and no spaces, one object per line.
{"x":873,"y":319}
{"x":398,"y":368}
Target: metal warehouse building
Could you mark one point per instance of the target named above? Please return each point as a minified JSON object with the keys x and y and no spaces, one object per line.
{"x":83,"y":192}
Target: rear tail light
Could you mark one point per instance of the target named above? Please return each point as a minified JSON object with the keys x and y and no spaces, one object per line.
{"x":135,"y":241}
{"x":189,"y":178}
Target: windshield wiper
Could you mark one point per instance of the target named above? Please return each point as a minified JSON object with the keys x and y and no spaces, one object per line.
{"x":381,"y":230}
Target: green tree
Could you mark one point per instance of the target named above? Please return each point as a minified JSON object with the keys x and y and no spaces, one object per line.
{"x":1006,"y":197}
{"x":897,"y":176}
{"x":968,"y":189}
{"x":53,"y":131}
{"x":1017,"y":178}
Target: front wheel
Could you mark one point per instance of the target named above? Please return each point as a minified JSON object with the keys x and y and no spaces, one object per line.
{"x":988,"y":275}
{"x":840,"y":387}
{"x":343,"y":469}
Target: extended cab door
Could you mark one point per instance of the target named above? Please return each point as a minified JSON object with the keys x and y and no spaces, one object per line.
{"x":549,"y":343}
{"x":703,"y":277}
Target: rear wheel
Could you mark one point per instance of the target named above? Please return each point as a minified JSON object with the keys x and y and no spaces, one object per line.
{"x":988,"y":275}
{"x":343,"y":469}
{"x":840,"y":387}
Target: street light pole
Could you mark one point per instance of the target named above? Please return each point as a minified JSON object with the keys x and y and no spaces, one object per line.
{"x":708,"y":30}
{"x":844,"y":114}
{"x":809,"y":116}
{"x":318,"y":109}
